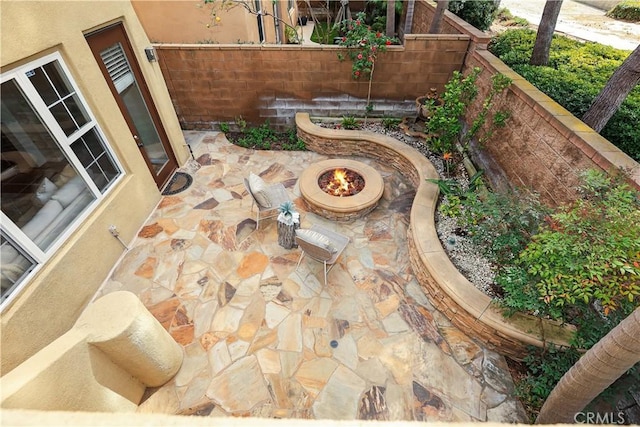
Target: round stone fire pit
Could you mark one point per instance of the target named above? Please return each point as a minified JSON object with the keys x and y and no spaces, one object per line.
{"x":341,"y":207}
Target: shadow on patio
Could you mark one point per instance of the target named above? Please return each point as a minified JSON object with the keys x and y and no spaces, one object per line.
{"x":263,"y":340}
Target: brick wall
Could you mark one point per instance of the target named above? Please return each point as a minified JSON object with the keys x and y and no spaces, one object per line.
{"x":216,"y":83}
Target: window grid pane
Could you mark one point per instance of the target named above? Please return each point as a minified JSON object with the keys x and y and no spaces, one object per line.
{"x":96,"y":160}
{"x":57,"y":93}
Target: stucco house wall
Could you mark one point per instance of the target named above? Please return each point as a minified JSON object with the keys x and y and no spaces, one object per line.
{"x":193,"y":22}
{"x":52,"y":301}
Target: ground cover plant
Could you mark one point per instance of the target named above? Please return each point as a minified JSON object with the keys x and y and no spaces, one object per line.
{"x":575,"y":75}
{"x":627,"y":10}
{"x":262,"y":137}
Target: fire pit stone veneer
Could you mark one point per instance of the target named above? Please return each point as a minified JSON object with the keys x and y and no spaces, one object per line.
{"x":335,"y":207}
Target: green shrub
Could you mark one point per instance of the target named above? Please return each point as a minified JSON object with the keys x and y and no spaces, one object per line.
{"x":506,"y":18}
{"x":519,"y":292}
{"x":390,"y":123}
{"x":224,"y":127}
{"x":627,"y":10}
{"x":577,"y":72}
{"x":479,"y":13}
{"x":293,"y":142}
{"x":349,"y":122}
{"x":323,"y":34}
{"x":589,"y":252}
{"x":264,"y":137}
{"x":502,"y":224}
{"x":544,"y":372}
{"x":260,"y":137}
{"x":445,"y":122}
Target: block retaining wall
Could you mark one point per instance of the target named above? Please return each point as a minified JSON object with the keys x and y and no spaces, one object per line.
{"x":543,"y":146}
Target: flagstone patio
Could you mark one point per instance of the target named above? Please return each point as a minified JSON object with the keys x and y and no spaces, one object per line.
{"x":264,"y":340}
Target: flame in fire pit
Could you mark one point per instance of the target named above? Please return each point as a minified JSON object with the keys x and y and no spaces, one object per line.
{"x":341,"y":182}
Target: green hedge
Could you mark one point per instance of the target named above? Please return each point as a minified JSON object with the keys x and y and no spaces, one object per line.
{"x":479,"y":13}
{"x":577,"y":72}
{"x":628,"y":10}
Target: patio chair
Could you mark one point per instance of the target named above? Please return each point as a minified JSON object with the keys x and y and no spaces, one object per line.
{"x":266,"y":197}
{"x":321,"y":244}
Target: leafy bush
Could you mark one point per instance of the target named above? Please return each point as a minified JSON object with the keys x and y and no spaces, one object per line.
{"x":445,"y":122}
{"x":390,"y":123}
{"x":264,"y":137}
{"x":506,"y":18}
{"x":590,"y":251}
{"x":544,"y":372}
{"x":627,"y":10}
{"x":349,"y":122}
{"x":519,"y":292}
{"x":479,"y":13}
{"x":224,"y":127}
{"x":580,"y":264}
{"x":293,"y":143}
{"x":502,"y":223}
{"x":259,"y":137}
{"x":577,"y":72}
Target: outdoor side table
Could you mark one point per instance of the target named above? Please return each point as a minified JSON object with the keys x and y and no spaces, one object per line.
{"x":287,"y":234}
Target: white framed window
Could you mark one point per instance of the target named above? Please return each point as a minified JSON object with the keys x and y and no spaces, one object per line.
{"x":55,"y":162}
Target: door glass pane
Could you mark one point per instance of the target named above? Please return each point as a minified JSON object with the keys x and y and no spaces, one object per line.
{"x":124,"y":80}
{"x":41,"y":191}
{"x":58,"y":94}
{"x":14,"y":265}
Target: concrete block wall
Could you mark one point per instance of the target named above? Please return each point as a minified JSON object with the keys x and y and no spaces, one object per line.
{"x":210,"y":84}
{"x":543,"y":147}
{"x":423,"y":14}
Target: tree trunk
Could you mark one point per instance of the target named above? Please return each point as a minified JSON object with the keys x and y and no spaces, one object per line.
{"x":598,"y":368}
{"x":436,"y":23}
{"x":391,"y":18}
{"x":622,"y":81}
{"x":540,"y":54}
{"x":408,"y":19}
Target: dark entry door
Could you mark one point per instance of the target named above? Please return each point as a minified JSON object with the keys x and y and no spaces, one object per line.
{"x":115,"y":57}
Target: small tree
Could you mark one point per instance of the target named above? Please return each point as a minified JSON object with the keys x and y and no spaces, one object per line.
{"x":436,"y":23}
{"x":540,"y":54}
{"x":622,"y":81}
{"x":364,"y":46}
{"x":219,"y":6}
{"x":604,"y":363}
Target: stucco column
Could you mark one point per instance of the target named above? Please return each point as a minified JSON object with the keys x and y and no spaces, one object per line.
{"x":122,"y":327}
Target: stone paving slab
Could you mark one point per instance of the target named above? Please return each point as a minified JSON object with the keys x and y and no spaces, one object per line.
{"x":264,"y":340}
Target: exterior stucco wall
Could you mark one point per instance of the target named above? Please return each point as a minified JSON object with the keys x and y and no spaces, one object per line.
{"x":192,"y":21}
{"x":51,"y":302}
